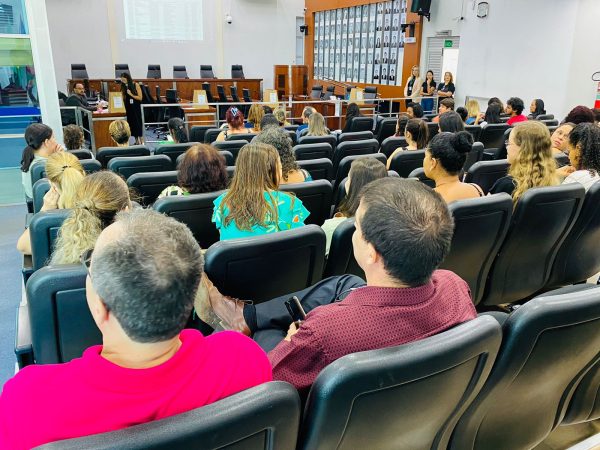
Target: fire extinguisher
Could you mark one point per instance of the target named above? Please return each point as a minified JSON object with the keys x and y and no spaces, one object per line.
{"x":596,"y":77}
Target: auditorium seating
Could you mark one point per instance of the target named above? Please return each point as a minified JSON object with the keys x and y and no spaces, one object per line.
{"x":329,"y":139}
{"x":316,"y":92}
{"x":433,"y":128}
{"x":241,"y":137}
{"x":501,"y":152}
{"x":232,"y":147}
{"x":246,"y":95}
{"x":361,"y":123}
{"x":475,"y":131}
{"x":263,"y":267}
{"x":340,"y":260}
{"x":405,"y":397}
{"x":319,"y":169}
{"x":121,"y":68}
{"x":237,"y":71}
{"x":312,"y":151}
{"x":149,"y":185}
{"x":392,"y":143}
{"x":180,"y":72}
{"x":221,"y":93}
{"x":584,"y":406}
{"x":206,"y":71}
{"x":211,"y":135}
{"x":37,"y":172}
{"x":492,"y":135}
{"x":350,"y":148}
{"x":173,"y":151}
{"x":79,"y":72}
{"x":40,"y":188}
{"x":329,"y":92}
{"x":316,"y":197}
{"x":197,"y":132}
{"x":82,"y":153}
{"x":91,"y":165}
{"x":264,"y":417}
{"x":105,"y":154}
{"x":292,"y":135}
{"x":154,"y":71}
{"x":127,"y":166}
{"x":344,"y":167}
{"x":419,"y":174}
{"x":385,"y":129}
{"x":548,"y":345}
{"x":485,"y":173}
{"x":475,"y":155}
{"x":545,"y":117}
{"x":562,"y":160}
{"x":355,"y":136}
{"x":207,"y":89}
{"x":405,"y":162}
{"x":235,"y":98}
{"x":43,"y":230}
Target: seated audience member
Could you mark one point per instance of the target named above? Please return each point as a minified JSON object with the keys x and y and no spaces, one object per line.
{"x":267,"y":109}
{"x":447,"y":88}
{"x":279,"y":114}
{"x":148,"y":367}
{"x":492,"y":115}
{"x":79,"y":99}
{"x":253,"y":206}
{"x":403,"y":119}
{"x":584,"y":155}
{"x":362,"y":172}
{"x":316,"y":125}
{"x":451,"y":122}
{"x":120,"y":132}
{"x":560,"y":138}
{"x":40,"y":145}
{"x":351,"y":112}
{"x":414,"y":111}
{"x":446,"y":105}
{"x":444,"y":159}
{"x":514,"y":108}
{"x":580,"y":114}
{"x":463,"y":113}
{"x":403,"y":233}
{"x":65,"y":174}
{"x":532,"y":165}
{"x":73,"y":137}
{"x":99,"y":198}
{"x":268,"y":120}
{"x":290,"y":171}
{"x":306,"y":113}
{"x":235,"y":122}
{"x":498,"y":101}
{"x":536,"y":108}
{"x":255,"y":115}
{"x":177,"y":130}
{"x":416,"y":134}
{"x":474,"y":116}
{"x":201,"y":170}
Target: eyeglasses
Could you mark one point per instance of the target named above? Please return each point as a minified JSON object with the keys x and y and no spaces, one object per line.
{"x":86,"y":260}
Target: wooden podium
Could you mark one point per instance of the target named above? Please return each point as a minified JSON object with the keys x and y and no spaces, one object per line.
{"x":290,"y":80}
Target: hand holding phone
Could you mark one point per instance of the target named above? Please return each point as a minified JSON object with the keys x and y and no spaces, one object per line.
{"x":295,"y":310}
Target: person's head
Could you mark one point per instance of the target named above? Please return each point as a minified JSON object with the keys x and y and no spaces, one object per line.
{"x":416,"y":131}
{"x":446,"y":105}
{"x":414,"y":72}
{"x":362,"y":172}
{"x":120,"y":132}
{"x":126,"y":80}
{"x":596,"y":112}
{"x":580,"y":114}
{"x":255,"y":115}
{"x":414,"y":110}
{"x":283,"y":144}
{"x":306,"y":113}
{"x":79,"y":89}
{"x":448,"y":78}
{"x":177,"y":130}
{"x":446,"y":154}
{"x":202,"y":169}
{"x":257,"y":170}
{"x":496,"y":100}
{"x":429,"y":76}
{"x":279,"y":114}
{"x":560,"y":137}
{"x":584,"y":147}
{"x":268,"y":120}
{"x":451,"y":122}
{"x":234,"y":118}
{"x":530,"y":156}
{"x":403,"y":119}
{"x":316,"y":125}
{"x":100,"y":196}
{"x":537,"y":107}
{"x":40,"y":140}
{"x":73,"y":137}
{"x":267,"y":109}
{"x":403,"y":232}
{"x":352,"y":111}
{"x":65,"y":173}
{"x":492,"y":113}
{"x":462,"y":112}
{"x":473,"y":108}
{"x":137,"y":289}
{"x":514,"y":106}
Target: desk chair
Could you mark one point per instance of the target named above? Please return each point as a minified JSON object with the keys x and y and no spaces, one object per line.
{"x":153,"y":71}
{"x":120,"y":68}
{"x":246,"y":95}
{"x":180,"y":72}
{"x":209,"y":97}
{"x":237,"y":71}
{"x":78,"y":71}
{"x":206,"y":71}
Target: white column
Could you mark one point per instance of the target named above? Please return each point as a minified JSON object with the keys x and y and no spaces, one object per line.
{"x":43,"y":64}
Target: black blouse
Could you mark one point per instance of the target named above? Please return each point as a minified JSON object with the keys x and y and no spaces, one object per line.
{"x":504,"y":184}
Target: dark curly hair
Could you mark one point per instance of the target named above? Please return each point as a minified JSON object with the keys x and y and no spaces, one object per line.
{"x":451,"y":149}
{"x":202,"y":169}
{"x":73,"y":137}
{"x":278,"y":138}
{"x":586,"y":137}
{"x":580,"y":114}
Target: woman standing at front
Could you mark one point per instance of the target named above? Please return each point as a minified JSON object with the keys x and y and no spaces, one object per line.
{"x":447,"y":88}
{"x":132,"y":95}
{"x":412,"y":88}
{"x":428,"y":90}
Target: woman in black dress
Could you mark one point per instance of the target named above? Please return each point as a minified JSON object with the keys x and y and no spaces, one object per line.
{"x":132,"y":96}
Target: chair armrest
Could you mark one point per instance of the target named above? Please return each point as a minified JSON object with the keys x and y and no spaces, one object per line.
{"x":27,"y":269}
{"x":28,"y":218}
{"x":23,"y":345}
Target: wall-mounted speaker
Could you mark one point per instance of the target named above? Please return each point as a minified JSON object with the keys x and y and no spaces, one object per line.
{"x":421,"y":7}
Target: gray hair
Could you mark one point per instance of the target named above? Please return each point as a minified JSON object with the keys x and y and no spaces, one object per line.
{"x":148,"y":276}
{"x":278,"y":138}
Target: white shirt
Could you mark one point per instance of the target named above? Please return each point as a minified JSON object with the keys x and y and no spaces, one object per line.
{"x":584,"y":177}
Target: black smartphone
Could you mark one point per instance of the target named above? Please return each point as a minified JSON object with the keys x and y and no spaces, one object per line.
{"x":295,"y":309}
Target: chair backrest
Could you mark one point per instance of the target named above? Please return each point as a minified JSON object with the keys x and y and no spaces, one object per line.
{"x":441,"y":374}
{"x":316,"y":197}
{"x":149,"y":185}
{"x":211,"y":135}
{"x":153,"y":71}
{"x":233,"y":147}
{"x":419,"y":174}
{"x":475,"y":155}
{"x":549,"y":122}
{"x":127,"y":166}
{"x":545,"y":117}
{"x":501,"y":152}
{"x":180,"y":72}
{"x":78,"y":71}
{"x":264,"y":417}
{"x":246,"y":95}
{"x":319,"y":169}
{"x":195,"y":210}
{"x":433,"y":128}
{"x":207,"y":88}
{"x":542,"y":219}
{"x":355,"y":136}
{"x":548,"y":345}
{"x":316,"y":92}
{"x":485,"y":173}
{"x":267,"y":266}
{"x":386,"y":128}
{"x":105,"y":154}
{"x":391,"y":143}
{"x":82,"y":153}
{"x":492,"y":135}
{"x":346,"y":163}
{"x":480,"y":226}
{"x":241,"y":137}
{"x":221,"y":93}
{"x":234,"y":94}
{"x":197,"y":132}
{"x":578,"y":258}
{"x":237,"y":71}
{"x":39,"y":189}
{"x":405,"y":162}
{"x":585,"y":403}
{"x":206,"y":71}
{"x":475,"y":131}
{"x":292,"y":135}
{"x":562,"y":159}
{"x":350,"y":148}
{"x":370,"y":93}
{"x":43,"y":230}
{"x":341,"y":259}
{"x":120,"y":68}
{"x":361,"y":123}
{"x":91,"y":165}
{"x":37,"y":171}
{"x":313,"y":151}
{"x":173,"y":150}
{"x":329,"y":139}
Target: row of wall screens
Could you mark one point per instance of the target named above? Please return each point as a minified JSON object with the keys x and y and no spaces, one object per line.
{"x":363,"y":44}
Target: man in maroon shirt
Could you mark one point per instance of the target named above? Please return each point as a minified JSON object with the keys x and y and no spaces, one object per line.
{"x":515,"y":107}
{"x":403,"y":232}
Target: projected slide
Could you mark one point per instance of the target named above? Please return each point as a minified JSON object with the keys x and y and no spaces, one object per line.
{"x":165,"y":20}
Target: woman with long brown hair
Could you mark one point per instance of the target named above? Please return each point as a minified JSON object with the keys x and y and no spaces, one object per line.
{"x":253,"y":205}
{"x":132,"y":97}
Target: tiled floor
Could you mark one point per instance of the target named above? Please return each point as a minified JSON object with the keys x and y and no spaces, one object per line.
{"x":11,"y":189}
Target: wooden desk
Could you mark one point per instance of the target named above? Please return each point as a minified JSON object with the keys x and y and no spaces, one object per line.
{"x":102,"y":121}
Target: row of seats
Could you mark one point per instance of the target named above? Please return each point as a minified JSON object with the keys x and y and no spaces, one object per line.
{"x":79,"y":71}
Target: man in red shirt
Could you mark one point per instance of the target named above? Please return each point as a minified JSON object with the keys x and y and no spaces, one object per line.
{"x":515,"y":107}
{"x":403,"y":232}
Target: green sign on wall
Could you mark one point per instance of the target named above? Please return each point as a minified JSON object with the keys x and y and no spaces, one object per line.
{"x":448,"y":43}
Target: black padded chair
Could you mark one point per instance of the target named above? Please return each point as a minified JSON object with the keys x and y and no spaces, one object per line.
{"x":127,"y":166}
{"x":480,"y":226}
{"x":246,"y":95}
{"x":549,"y":122}
{"x":329,"y":92}
{"x":121,"y":68}
{"x":221,"y":93}
{"x":542,"y":219}
{"x":548,"y":346}
{"x":234,"y":95}
{"x":485,"y":173}
{"x":350,"y":148}
{"x":211,"y":135}
{"x":423,"y":387}
{"x":180,"y":72}
{"x":340,"y":260}
{"x":329,"y":139}
{"x":316,"y":197}
{"x":79,"y":72}
{"x":419,"y":174}
{"x":154,"y":71}
{"x":237,"y":71}
{"x":492,"y":135}
{"x":82,"y":153}
{"x":500,"y":152}
{"x":405,"y":162}
{"x":105,"y":154}
{"x":319,"y":169}
{"x":207,"y":88}
{"x":578,"y":258}
{"x":585,"y":403}
{"x":264,"y":417}
{"x":173,"y":150}
{"x":91,"y":165}
{"x":149,"y":185}
{"x":197,"y":132}
{"x":475,"y":131}
{"x":313,"y":151}
{"x":433,"y":128}
{"x":233,"y":147}
{"x":385,"y":129}
{"x":292,"y":135}
{"x":562,"y":160}
{"x":206,"y":71}
{"x":370,"y":95}
{"x":475,"y":155}
{"x":545,"y":117}
{"x":195,"y":210}
{"x":316,"y":92}
{"x":264,"y":267}
{"x":230,"y":171}
{"x":355,"y":136}
{"x":241,"y":137}
{"x":361,"y":123}
{"x":43,"y":230}
{"x":39,"y":189}
{"x":345,"y":164}
{"x":390,"y":144}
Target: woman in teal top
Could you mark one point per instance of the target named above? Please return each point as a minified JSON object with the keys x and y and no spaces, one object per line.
{"x":253,"y":205}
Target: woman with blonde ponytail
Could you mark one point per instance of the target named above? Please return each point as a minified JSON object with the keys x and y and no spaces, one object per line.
{"x":65,"y":174}
{"x":99,"y":198}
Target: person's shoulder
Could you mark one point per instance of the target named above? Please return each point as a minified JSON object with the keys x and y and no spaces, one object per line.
{"x":234,"y":344}
{"x":451,"y":284}
{"x":504,"y":184}
{"x":217,"y":201}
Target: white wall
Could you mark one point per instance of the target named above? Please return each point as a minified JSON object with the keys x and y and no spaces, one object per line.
{"x":93,"y":32}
